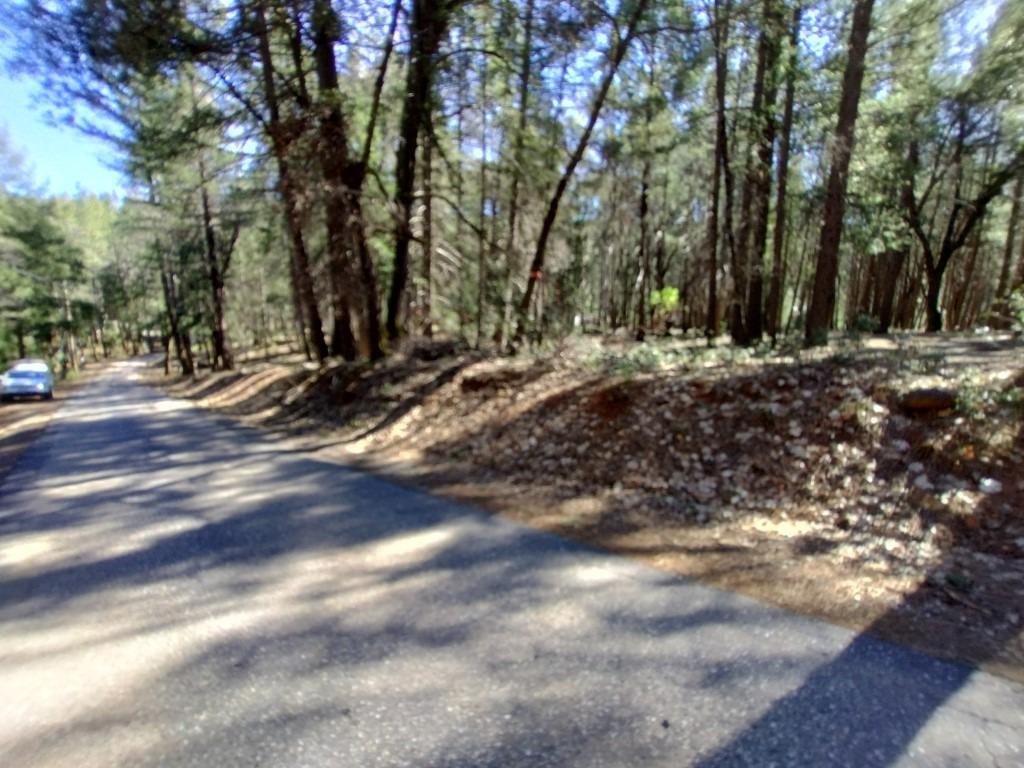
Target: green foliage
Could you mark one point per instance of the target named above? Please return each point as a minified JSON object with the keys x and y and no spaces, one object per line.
{"x":865,"y":323}
{"x":180,"y":88}
{"x":1015,"y":307}
{"x":636,"y":359}
{"x":977,"y":401}
{"x":665,"y":301}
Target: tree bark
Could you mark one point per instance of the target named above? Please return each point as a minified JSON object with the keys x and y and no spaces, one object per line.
{"x":346,"y":238}
{"x":933,"y":293}
{"x":721,"y":40}
{"x":1011,"y":234}
{"x":893,"y":262}
{"x":764,"y":115}
{"x":511,"y":254}
{"x":426,"y":298}
{"x":183,"y":352}
{"x":999,"y":316}
{"x":774,"y":308}
{"x":823,"y":298}
{"x":428,"y":23}
{"x":222,"y":357}
{"x":481,"y":235}
{"x":280,"y":140}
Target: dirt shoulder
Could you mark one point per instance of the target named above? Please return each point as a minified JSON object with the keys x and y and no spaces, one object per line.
{"x":802,"y":481}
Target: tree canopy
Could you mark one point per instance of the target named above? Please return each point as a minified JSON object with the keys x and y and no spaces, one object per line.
{"x":342,"y":176}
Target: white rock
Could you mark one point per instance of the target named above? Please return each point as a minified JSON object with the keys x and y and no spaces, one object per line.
{"x":922,"y":482}
{"x":916,"y":468}
{"x":990,"y":486}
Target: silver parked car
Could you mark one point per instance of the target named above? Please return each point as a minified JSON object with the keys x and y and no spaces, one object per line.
{"x":27,"y":378}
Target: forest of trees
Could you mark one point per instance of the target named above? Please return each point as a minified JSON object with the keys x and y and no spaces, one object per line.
{"x":346,"y":174}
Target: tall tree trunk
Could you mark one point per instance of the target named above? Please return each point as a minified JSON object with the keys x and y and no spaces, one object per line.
{"x":1018,"y":281}
{"x":511,"y":254}
{"x":999,"y":316}
{"x":957,"y":305}
{"x":761,"y":180}
{"x":427,"y":290}
{"x":298,"y":313}
{"x":933,"y":294}
{"x":481,"y":235}
{"x":742,"y":261}
{"x":644,"y":254}
{"x":1011,"y":234}
{"x":347,"y":251}
{"x":823,"y":298}
{"x":721,"y":40}
{"x":775,"y":290}
{"x":171,"y":304}
{"x":616,"y":55}
{"x":215,"y":270}
{"x":462,"y":79}
{"x":300,"y":254}
{"x":644,"y":315}
{"x":892,"y":266}
{"x":427,"y":25}
{"x":280,"y":140}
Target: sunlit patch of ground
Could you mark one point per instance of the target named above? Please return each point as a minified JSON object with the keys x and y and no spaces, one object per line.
{"x":794,"y":477}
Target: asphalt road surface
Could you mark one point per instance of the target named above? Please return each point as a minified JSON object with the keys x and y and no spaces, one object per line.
{"x":178,"y":591}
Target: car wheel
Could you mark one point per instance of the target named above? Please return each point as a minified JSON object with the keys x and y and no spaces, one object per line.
{"x":48,"y":396}
{"x":5,"y":398}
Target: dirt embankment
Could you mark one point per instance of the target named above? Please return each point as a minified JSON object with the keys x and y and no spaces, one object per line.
{"x":808,"y":482}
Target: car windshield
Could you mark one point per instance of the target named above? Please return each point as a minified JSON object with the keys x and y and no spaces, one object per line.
{"x":27,"y":375}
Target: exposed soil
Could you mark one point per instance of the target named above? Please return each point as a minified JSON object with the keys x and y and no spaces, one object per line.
{"x":806,"y":480}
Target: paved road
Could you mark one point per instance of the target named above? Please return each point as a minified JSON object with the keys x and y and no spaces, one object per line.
{"x":177,"y":591}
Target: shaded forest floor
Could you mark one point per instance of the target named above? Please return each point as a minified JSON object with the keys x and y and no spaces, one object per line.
{"x":800,"y":479}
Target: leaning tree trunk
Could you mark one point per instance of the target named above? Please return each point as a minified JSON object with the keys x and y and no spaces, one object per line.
{"x":616,"y":55}
{"x":823,"y":297}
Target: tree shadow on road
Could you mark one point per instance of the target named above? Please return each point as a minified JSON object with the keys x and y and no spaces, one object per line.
{"x":320,"y":603}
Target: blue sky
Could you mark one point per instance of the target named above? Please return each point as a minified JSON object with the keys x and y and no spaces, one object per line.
{"x":61,"y":160}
